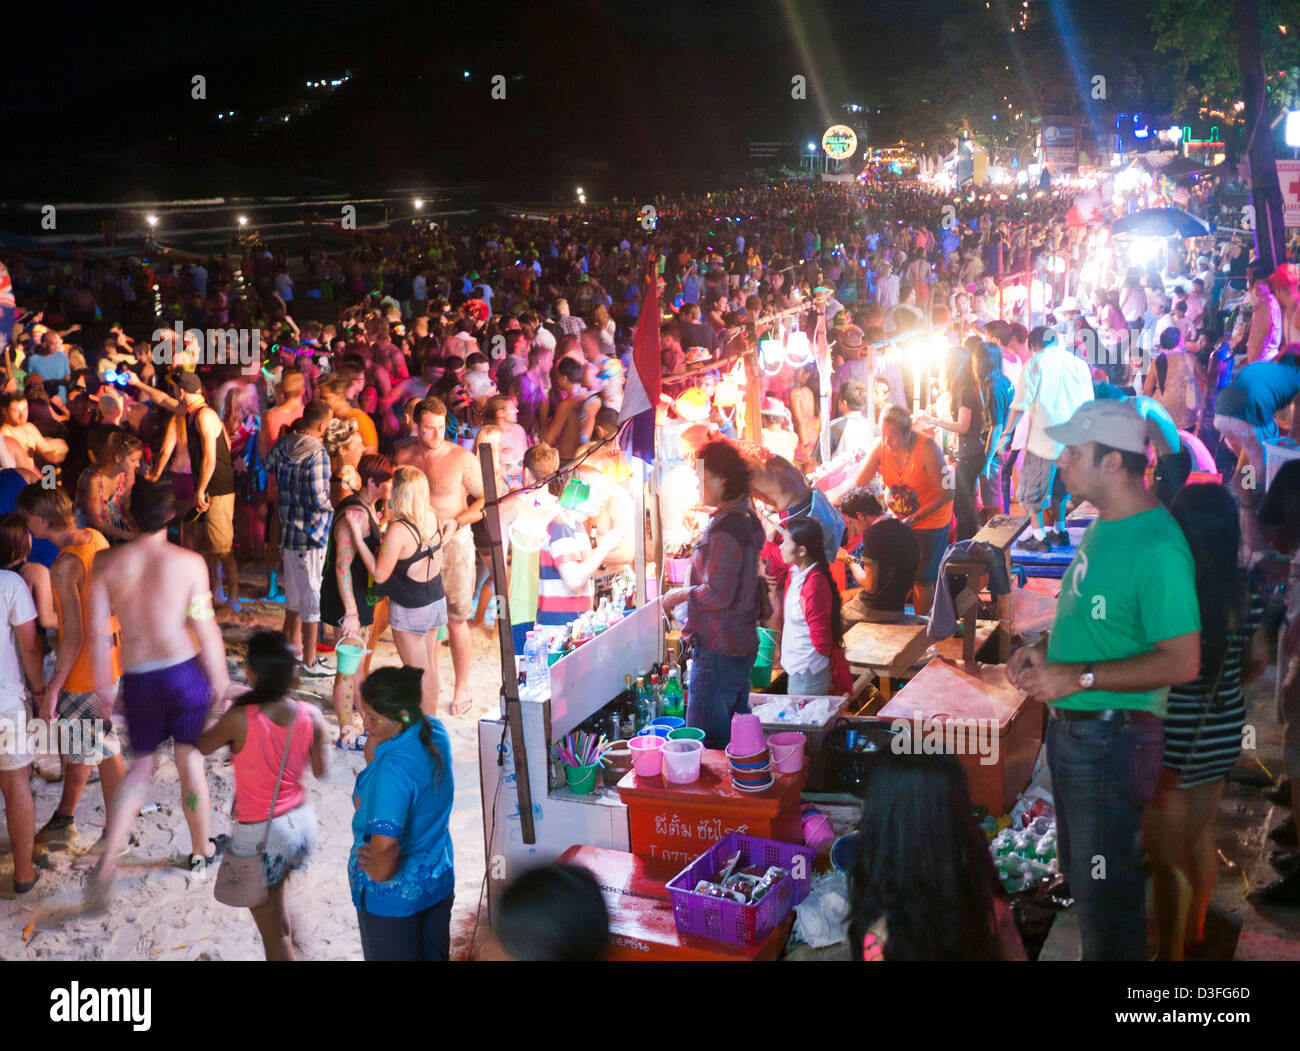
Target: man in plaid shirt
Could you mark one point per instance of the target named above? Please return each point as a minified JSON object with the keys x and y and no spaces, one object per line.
{"x":569,"y":325}
{"x":302,"y":473}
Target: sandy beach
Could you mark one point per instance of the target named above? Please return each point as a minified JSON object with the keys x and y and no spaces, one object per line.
{"x":161,"y":912}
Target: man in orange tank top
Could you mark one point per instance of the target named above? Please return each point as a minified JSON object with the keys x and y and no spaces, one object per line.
{"x":85,"y":730}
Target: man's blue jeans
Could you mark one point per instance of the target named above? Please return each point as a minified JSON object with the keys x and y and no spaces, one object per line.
{"x":719,"y":688}
{"x":1103,"y":775}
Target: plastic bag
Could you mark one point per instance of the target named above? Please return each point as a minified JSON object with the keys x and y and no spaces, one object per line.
{"x":822,"y":918}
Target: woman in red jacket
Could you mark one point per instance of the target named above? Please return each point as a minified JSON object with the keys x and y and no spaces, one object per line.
{"x":812,"y":635}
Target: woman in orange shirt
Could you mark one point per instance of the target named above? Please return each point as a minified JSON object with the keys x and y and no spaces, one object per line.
{"x":914,"y":470}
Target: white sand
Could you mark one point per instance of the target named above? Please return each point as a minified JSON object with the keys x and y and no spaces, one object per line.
{"x":160,"y":913}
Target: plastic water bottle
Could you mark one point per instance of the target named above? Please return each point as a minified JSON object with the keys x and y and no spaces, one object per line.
{"x":535,"y":647}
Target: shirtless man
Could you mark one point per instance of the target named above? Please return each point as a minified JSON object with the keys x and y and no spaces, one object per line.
{"x":34,"y":445}
{"x":777,"y":482}
{"x":606,"y":470}
{"x":564,"y":431}
{"x":174,"y":665}
{"x":454,"y":477}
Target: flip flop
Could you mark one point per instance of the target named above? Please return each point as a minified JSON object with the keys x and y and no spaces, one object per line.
{"x":462,"y":708}
{"x":23,"y":886}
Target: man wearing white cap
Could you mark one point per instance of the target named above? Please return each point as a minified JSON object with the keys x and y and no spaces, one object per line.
{"x":1127,"y":628}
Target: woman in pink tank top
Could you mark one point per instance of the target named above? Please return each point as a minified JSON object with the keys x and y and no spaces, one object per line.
{"x":257,"y":728}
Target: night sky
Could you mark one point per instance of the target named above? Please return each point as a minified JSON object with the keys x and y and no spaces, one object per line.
{"x":619,"y":97}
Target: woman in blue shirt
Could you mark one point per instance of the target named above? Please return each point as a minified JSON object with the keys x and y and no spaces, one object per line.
{"x":400,"y":869}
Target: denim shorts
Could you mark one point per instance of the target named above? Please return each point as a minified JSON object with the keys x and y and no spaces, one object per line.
{"x":933,"y":543}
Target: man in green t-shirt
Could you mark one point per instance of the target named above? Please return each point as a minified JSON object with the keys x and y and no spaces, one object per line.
{"x":1127,"y":628}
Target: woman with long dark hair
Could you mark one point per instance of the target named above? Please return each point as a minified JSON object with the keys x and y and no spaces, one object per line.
{"x":1204,"y":721}
{"x":812,"y":631}
{"x":257,"y":729}
{"x":401,"y":869}
{"x":921,"y":882}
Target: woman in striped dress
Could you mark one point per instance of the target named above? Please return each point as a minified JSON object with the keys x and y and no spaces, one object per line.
{"x":1204,"y":723}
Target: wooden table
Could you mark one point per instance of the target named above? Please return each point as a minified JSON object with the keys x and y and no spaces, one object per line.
{"x":641,"y":925}
{"x":891,"y":651}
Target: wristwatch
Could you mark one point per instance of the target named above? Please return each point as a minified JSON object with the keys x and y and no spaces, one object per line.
{"x":1087,"y":678}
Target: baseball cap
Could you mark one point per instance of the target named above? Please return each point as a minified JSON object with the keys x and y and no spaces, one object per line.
{"x":1117,"y":424}
{"x":189,"y":382}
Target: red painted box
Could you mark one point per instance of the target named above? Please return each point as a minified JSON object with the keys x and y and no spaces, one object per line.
{"x":677,"y":823}
{"x":641,"y":924}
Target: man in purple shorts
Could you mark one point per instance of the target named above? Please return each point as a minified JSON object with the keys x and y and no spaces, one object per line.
{"x":159,"y":592}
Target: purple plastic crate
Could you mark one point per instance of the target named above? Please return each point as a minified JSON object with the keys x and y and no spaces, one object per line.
{"x":730,"y":921}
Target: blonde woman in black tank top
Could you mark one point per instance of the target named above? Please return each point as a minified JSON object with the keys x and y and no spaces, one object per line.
{"x":410,"y":564}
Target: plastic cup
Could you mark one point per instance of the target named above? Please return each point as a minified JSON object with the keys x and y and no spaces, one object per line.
{"x":760,"y":676}
{"x":670,"y":721}
{"x":681,"y":761}
{"x":687,"y":733}
{"x":654,"y":731}
{"x":647,"y":755}
{"x":746,"y":734}
{"x":582,"y":779}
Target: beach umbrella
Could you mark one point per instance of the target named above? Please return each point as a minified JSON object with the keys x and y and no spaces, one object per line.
{"x":1160,"y":222}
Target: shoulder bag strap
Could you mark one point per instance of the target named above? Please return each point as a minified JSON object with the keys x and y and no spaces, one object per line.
{"x":275,"y":795}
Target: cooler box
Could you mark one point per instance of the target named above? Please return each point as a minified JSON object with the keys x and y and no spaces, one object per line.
{"x":677,"y":823}
{"x":998,"y":728}
{"x":814,"y":748}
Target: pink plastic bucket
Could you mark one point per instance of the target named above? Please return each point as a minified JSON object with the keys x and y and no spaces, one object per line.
{"x":746,"y":735}
{"x":817,"y":831}
{"x":682,"y":761}
{"x":787,"y":752}
{"x":647,"y":755}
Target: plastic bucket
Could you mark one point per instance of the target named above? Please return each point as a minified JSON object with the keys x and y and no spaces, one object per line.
{"x":766,"y":646}
{"x":760,"y":676}
{"x":670,"y":721}
{"x":582,"y":779}
{"x":687,"y":733}
{"x":647,"y":755}
{"x":654,"y":731}
{"x":618,"y":761}
{"x":817,"y":831}
{"x":349,"y":654}
{"x":682,"y":761}
{"x":787,"y":751}
{"x":746,"y":735}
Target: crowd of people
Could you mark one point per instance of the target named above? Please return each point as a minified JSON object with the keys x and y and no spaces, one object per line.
{"x":343,"y":459}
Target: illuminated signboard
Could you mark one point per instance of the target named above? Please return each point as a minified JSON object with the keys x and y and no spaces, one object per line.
{"x":840,"y":142}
